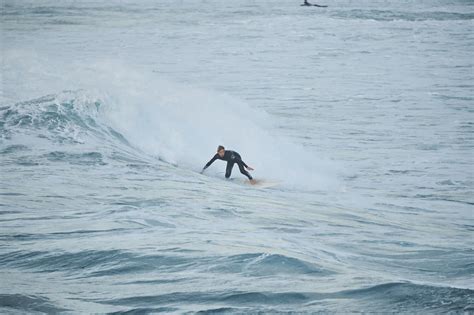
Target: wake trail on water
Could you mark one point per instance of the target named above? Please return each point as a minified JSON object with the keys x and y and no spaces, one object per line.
{"x":173,"y":122}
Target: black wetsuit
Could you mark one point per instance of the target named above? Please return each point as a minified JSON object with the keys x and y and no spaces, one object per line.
{"x":231,"y":157}
{"x":307,"y":4}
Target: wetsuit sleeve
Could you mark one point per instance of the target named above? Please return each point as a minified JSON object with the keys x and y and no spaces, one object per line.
{"x":211,"y":161}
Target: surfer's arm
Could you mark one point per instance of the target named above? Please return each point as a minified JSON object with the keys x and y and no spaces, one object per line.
{"x":246,"y":166}
{"x":215,"y":157}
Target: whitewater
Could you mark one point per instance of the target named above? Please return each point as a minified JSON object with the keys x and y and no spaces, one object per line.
{"x":362,"y":112}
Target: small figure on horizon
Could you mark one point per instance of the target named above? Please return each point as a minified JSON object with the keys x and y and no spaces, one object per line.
{"x":232,"y":158}
{"x":307,"y":4}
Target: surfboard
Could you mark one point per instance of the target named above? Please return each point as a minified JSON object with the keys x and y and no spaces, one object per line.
{"x":262,"y":183}
{"x":256,"y":183}
{"x":313,"y":5}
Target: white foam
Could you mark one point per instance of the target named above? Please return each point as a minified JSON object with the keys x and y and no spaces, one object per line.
{"x":183,"y":125}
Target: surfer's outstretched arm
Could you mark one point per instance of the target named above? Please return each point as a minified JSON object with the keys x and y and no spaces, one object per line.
{"x":245,"y":165}
{"x":215,"y":157}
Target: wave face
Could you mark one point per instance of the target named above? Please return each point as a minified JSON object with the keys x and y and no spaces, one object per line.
{"x":362,"y":112}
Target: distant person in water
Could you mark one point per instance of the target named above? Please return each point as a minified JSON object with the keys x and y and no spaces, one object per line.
{"x":232,"y":158}
{"x":306,"y":3}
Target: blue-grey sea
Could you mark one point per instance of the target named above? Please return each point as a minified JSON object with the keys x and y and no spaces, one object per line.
{"x":361,"y":113}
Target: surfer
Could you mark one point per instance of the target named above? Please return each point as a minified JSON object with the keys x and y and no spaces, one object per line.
{"x":307,"y":4}
{"x":232,"y":158}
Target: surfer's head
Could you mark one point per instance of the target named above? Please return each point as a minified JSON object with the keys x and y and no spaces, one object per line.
{"x":221,"y":150}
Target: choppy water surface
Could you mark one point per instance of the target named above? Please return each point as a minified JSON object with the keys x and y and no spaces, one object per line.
{"x":363,"y":112}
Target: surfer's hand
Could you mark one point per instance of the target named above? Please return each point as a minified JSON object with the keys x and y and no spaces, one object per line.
{"x":249,"y":168}
{"x":202,"y":171}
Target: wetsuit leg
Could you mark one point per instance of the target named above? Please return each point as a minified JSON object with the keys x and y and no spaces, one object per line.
{"x":243,"y":171}
{"x":228,"y":169}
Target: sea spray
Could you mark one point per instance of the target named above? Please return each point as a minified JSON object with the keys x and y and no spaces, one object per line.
{"x":182,"y":125}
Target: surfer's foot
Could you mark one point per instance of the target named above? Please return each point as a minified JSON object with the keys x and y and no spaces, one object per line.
{"x":253,"y":181}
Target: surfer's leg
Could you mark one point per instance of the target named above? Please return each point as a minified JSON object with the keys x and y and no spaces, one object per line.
{"x":228,"y":169}
{"x":243,"y":171}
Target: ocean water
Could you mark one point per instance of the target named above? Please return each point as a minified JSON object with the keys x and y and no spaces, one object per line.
{"x":362,"y":111}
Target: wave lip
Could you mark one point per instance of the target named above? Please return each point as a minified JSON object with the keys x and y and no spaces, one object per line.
{"x":70,"y":117}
